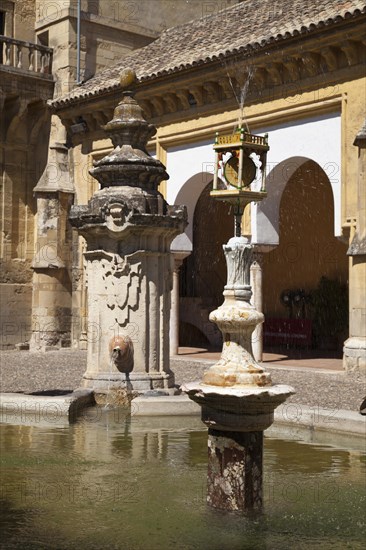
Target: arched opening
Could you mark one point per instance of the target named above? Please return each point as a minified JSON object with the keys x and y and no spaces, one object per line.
{"x":189,"y":195}
{"x":203,"y":273}
{"x":309,"y":266}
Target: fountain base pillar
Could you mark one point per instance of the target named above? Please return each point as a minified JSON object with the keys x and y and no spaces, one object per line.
{"x":236,"y":418}
{"x":235,"y":470}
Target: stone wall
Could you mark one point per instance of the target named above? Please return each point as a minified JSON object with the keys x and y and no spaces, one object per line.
{"x":16,"y":302}
{"x":110,"y":29}
{"x":16,"y":308}
{"x":20,"y":19}
{"x":24,"y":20}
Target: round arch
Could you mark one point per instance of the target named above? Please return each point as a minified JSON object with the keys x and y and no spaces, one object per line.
{"x":203,"y":273}
{"x":266,"y":218}
{"x":188,"y":195}
{"x":309,"y":261}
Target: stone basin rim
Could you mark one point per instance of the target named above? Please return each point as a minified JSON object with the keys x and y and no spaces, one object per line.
{"x":238,"y":391}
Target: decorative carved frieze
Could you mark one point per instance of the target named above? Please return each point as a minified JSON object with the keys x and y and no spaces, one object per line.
{"x":183,"y":96}
{"x":197,"y":92}
{"x":147,"y":108}
{"x":158,"y":104}
{"x":109,"y":113}
{"x":350,"y":49}
{"x":91,"y":122}
{"x":227,"y":87}
{"x":221,"y":85}
{"x":330,"y":55}
{"x":311,"y":62}
{"x":292,"y":66}
{"x":101,"y":118}
{"x":213,"y":92}
{"x":171,"y":101}
{"x":260,"y":77}
{"x":274,"y":70}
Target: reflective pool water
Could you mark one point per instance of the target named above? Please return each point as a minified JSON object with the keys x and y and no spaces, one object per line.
{"x":116,"y":482}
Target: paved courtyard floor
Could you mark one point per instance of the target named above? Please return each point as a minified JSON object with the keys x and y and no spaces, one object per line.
{"x":316,"y":384}
{"x":299,"y":358}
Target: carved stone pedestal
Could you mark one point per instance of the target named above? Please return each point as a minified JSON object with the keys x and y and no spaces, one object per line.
{"x":237,"y":319}
{"x":128,"y":227}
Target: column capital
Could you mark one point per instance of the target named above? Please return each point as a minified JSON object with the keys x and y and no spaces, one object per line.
{"x":178,"y":257}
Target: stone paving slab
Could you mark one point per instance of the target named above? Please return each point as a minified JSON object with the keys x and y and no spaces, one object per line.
{"x":321,"y":389}
{"x":298,"y":358}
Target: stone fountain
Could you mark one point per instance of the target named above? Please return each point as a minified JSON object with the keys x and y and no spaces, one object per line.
{"x":236,"y":394}
{"x":128,"y":228}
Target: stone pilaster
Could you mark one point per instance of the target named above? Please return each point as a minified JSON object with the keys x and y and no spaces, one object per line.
{"x":354,"y":350}
{"x":51,"y":301}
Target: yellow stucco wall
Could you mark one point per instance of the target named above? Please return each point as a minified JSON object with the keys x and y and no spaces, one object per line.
{"x":321,"y":253}
{"x":348,"y":97}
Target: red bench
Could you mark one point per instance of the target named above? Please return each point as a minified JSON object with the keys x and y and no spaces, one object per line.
{"x":289,"y":332}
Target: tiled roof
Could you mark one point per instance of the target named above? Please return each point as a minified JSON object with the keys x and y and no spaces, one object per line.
{"x":246,"y":27}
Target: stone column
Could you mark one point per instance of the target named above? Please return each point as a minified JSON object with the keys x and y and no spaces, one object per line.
{"x":178,"y":258}
{"x":354,"y":351}
{"x":128,"y":228}
{"x":79,"y":334}
{"x":174,"y":312}
{"x":257,"y":301}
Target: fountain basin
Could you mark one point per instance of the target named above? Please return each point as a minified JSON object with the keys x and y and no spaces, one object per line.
{"x":49,"y":406}
{"x":114,"y":481}
{"x":238,"y":408}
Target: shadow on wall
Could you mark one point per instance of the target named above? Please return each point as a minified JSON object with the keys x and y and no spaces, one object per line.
{"x":307,"y":250}
{"x":203,"y":273}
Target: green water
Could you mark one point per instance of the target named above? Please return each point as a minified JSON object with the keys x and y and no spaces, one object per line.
{"x":111,"y":482}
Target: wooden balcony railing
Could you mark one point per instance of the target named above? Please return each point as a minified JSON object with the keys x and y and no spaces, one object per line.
{"x":18,"y":54}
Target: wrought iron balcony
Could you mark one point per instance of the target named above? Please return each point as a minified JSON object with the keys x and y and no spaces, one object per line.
{"x":25,"y":56}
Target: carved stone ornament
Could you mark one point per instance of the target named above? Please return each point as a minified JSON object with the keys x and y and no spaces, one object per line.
{"x":123,"y":286}
{"x":129,"y":162}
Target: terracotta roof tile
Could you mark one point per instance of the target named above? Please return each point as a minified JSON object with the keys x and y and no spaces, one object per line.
{"x":247,"y":26}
